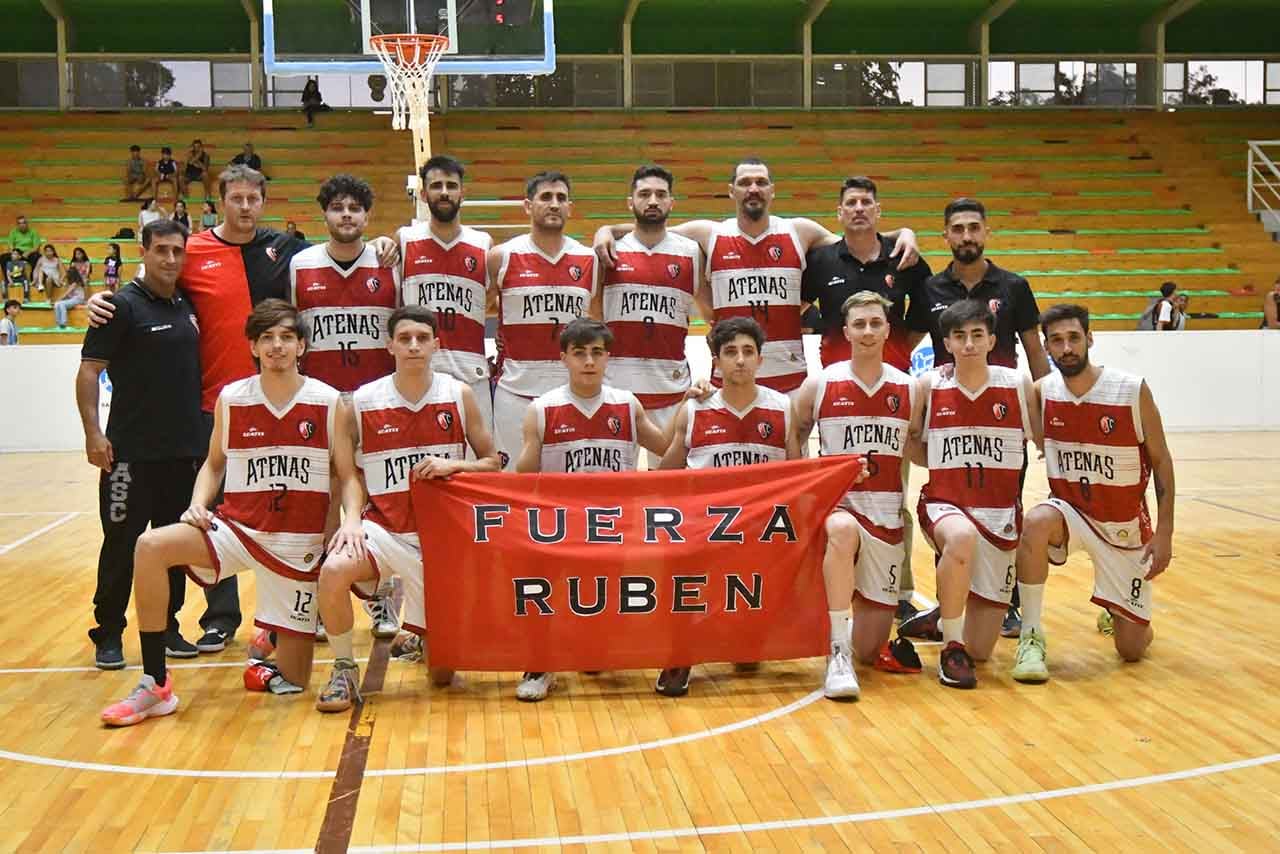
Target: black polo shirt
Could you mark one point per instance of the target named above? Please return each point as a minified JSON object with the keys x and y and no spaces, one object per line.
{"x":152,"y":351}
{"x":832,"y":275}
{"x":1008,"y":294}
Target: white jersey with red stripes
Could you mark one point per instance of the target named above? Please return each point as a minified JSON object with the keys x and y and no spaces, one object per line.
{"x":276,"y":493}
{"x":977,"y":445}
{"x":719,"y":436}
{"x":539,"y":296}
{"x":647,"y":298}
{"x":450,"y":279}
{"x":1096,"y":454}
{"x":393,"y":434}
{"x":873,"y":421}
{"x":587,"y":435}
{"x":345,"y":313}
{"x":759,"y":277}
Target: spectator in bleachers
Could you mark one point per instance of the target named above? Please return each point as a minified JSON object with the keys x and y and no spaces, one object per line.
{"x":1180,"y":311}
{"x":291,"y":229}
{"x":17,"y":273}
{"x":26,"y":239}
{"x":151,"y":211}
{"x":1162,"y":319}
{"x":313,"y":101}
{"x":1271,"y":307}
{"x":196,"y":169}
{"x":49,"y":270}
{"x":73,"y":297}
{"x":208,"y":216}
{"x":136,"y":179}
{"x":112,"y":267}
{"x":180,"y":214}
{"x":166,"y":169}
{"x":248,"y":158}
{"x":9,"y":324}
{"x":80,"y":263}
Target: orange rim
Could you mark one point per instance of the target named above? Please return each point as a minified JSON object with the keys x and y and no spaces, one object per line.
{"x":410,"y":48}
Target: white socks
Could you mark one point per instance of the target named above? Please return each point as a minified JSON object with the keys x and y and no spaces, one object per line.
{"x":841,"y":627}
{"x":952,"y":629}
{"x":342,"y":646}
{"x":1032,"y":605}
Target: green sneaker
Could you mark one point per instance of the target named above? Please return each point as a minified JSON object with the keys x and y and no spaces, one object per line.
{"x":1106,"y":623}
{"x":1029,"y":661}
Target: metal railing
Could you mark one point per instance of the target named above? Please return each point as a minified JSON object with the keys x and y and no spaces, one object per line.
{"x":1262,"y":179}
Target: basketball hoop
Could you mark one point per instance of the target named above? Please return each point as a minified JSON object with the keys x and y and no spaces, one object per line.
{"x":409,"y":61}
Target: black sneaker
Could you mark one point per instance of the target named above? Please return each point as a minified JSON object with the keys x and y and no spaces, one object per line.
{"x":1012,"y":625}
{"x":923,"y":626}
{"x":176,"y":646}
{"x":955,"y":667}
{"x":905,"y":611}
{"x":673,"y":682}
{"x":109,"y":656}
{"x":214,"y":639}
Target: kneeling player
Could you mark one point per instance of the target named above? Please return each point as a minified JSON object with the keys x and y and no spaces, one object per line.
{"x":271,"y":441}
{"x":976,"y":421}
{"x":863,"y":406}
{"x":583,"y":426}
{"x":742,"y":423}
{"x":1103,"y":438}
{"x":417,"y":423}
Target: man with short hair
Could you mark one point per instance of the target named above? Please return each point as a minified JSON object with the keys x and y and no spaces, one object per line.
{"x":414,"y":423}
{"x":742,"y":423}
{"x":755,"y":262}
{"x":974,"y":425}
{"x":153,"y":444}
{"x":247,"y":157}
{"x":583,"y":426}
{"x":26,"y":240}
{"x":1103,"y":439}
{"x":136,"y":180}
{"x":445,"y":269}
{"x":272,"y":440}
{"x":866,"y":407}
{"x":545,"y":280}
{"x":1164,"y":311}
{"x":196,"y":168}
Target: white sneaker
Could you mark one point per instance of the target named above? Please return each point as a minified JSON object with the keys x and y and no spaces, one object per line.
{"x":535,"y":686}
{"x":842,"y":682}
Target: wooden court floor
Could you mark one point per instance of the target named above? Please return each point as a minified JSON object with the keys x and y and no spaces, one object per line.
{"x":1181,"y":752}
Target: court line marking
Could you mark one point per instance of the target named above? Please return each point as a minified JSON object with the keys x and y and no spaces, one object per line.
{"x":67,"y":517}
{"x":794,"y":823}
{"x":19,"y":513}
{"x":140,"y":770}
{"x":1237,"y":510}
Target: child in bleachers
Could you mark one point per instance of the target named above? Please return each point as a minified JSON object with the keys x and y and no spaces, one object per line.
{"x":111,"y":267}
{"x":49,"y":270}
{"x":208,"y":216}
{"x":80,"y":261}
{"x":18,"y":273}
{"x":73,"y":297}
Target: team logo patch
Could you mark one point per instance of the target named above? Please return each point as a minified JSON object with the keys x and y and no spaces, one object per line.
{"x":445,"y":420}
{"x":888,"y":280}
{"x":775,"y":252}
{"x":272,"y":253}
{"x":673,"y":270}
{"x":893,"y":402}
{"x":470,"y":263}
{"x":307,"y":428}
{"x":1107,"y":425}
{"x":999,"y":410}
{"x":373,"y":283}
{"x":765,"y":429}
{"x":614,"y":423}
{"x":994,"y":305}
{"x":575,"y":272}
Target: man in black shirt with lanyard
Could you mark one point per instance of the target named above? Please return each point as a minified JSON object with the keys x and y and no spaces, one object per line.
{"x":1008,"y":295}
{"x":153,"y":444}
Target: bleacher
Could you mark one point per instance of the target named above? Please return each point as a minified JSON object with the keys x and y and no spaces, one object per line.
{"x":1093,"y":206}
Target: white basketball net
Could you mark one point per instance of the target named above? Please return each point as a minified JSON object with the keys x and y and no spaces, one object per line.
{"x":409,"y":61}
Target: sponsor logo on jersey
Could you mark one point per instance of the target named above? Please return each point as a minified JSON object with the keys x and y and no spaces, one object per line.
{"x":445,"y":420}
{"x":944,"y":412}
{"x":470,"y":263}
{"x":307,"y":428}
{"x":575,"y":272}
{"x":673,"y":270}
{"x":387,"y":428}
{"x":1055,"y":421}
{"x":373,"y":284}
{"x":272,"y":253}
{"x":765,"y":429}
{"x":835,"y":280}
{"x":893,"y":402}
{"x":994,"y":304}
{"x":999,"y":410}
{"x":252,"y":433}
{"x":730,"y":256}
{"x":211,"y":264}
{"x":775,"y":252}
{"x":614,"y":423}
{"x":316,"y":286}
{"x":1107,"y":425}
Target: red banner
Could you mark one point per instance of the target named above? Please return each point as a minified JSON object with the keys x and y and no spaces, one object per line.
{"x":616,"y":571}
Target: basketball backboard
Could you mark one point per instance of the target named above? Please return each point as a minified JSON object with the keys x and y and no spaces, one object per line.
{"x":332,"y":36}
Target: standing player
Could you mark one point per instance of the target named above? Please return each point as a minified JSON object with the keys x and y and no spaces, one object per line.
{"x":271,"y":441}
{"x":741,"y":424}
{"x":866,"y":407}
{"x":647,"y":296}
{"x":415,"y":423}
{"x":1103,"y":439}
{"x":445,"y":271}
{"x":583,"y":426}
{"x":755,"y":262}
{"x":544,"y":280}
{"x":974,"y":428}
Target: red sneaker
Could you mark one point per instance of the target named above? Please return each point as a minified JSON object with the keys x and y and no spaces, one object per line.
{"x":955,"y":667}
